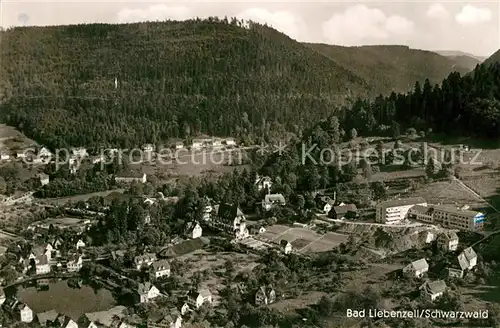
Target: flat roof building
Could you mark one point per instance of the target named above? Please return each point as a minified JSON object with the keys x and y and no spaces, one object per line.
{"x":394,"y":211}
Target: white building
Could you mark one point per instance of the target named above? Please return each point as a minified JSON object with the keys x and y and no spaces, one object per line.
{"x":394,"y":211}
{"x":144,"y":260}
{"x":456,"y":218}
{"x":467,"y":259}
{"x":131,"y":177}
{"x":263,"y":183}
{"x":75,"y":264}
{"x":193,"y":230}
{"x":416,"y":268}
{"x":80,"y":244}
{"x":159,"y":269}
{"x":2,"y":296}
{"x":4,"y":157}
{"x":230,"y":142}
{"x":272,"y":200}
{"x":79,"y":152}
{"x":434,"y":289}
{"x":44,"y":179}
{"x":286,"y":246}
{"x":199,"y":298}
{"x":448,"y":241}
{"x":147,"y":292}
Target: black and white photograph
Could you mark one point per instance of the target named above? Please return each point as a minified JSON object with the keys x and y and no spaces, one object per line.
{"x":238,"y":164}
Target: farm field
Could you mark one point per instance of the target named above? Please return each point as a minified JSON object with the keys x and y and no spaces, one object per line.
{"x":303,"y":240}
{"x":64,"y":200}
{"x":448,"y":193}
{"x":11,"y":138}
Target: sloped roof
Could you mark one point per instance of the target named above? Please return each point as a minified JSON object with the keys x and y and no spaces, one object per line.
{"x":144,"y":288}
{"x":344,"y":209}
{"x":184,"y":247}
{"x":438,"y":286}
{"x":402,"y":202}
{"x":43,"y":317}
{"x":271,"y":198}
{"x":448,"y":235}
{"x":145,"y":257}
{"x":420,"y":265}
{"x":469,"y":253}
{"x":160,"y":265}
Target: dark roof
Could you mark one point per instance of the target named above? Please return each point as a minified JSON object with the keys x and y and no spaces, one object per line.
{"x":227,"y":212}
{"x":184,"y":247}
{"x":344,"y":209}
{"x":50,"y":316}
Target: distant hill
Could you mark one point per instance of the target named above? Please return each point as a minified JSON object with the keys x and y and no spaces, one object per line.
{"x":393,"y":68}
{"x":454,"y":53}
{"x":177,"y":79}
{"x":495,"y":58}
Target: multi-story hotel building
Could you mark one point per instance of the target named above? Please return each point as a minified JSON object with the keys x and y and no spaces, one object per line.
{"x":448,"y":217}
{"x":394,"y":211}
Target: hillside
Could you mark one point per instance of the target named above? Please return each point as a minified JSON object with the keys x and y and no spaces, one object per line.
{"x":454,"y":53}
{"x":174,"y":79}
{"x":393,"y":68}
{"x":495,"y":58}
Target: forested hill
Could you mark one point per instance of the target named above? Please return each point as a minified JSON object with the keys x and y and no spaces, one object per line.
{"x":495,"y":58}
{"x":395,"y":68}
{"x":174,"y":79}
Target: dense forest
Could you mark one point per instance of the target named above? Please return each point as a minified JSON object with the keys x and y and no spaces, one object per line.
{"x":176,"y":79}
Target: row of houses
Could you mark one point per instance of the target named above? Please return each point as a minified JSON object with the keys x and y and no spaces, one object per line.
{"x":212,"y":142}
{"x":396,"y":211}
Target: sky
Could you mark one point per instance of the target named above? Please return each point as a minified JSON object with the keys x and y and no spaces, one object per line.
{"x":472,"y":26}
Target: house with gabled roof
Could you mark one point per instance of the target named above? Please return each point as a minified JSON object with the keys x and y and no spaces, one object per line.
{"x":286,"y":246}
{"x":147,"y":292}
{"x":448,"y":241}
{"x":75,"y":263}
{"x":434,"y":289}
{"x":273,"y":200}
{"x":466,"y":260}
{"x":265,"y":295}
{"x":193,"y":230}
{"x":47,"y":318}
{"x":159,"y":269}
{"x":230,"y":219}
{"x":416,"y":268}
{"x":264,"y":182}
{"x":343,"y":211}
{"x":144,"y":260}
{"x":198,"y":298}
{"x":66,"y":322}
{"x":85,"y":322}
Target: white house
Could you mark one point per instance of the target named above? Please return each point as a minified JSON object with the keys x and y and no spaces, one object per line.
{"x":272,"y":200}
{"x":79,"y":152}
{"x":144,"y":260}
{"x":286,"y":246}
{"x":25,"y":313}
{"x":4,"y":157}
{"x":325,"y":204}
{"x":197,"y":299}
{"x":44,"y":153}
{"x":159,"y":269}
{"x":265,"y":295}
{"x":185,"y":308}
{"x":128,"y":177}
{"x":434,"y":289}
{"x":80,"y":244}
{"x":179,"y":145}
{"x":42,"y":265}
{"x":20,"y":155}
{"x":448,"y":241}
{"x":148,"y":148}
{"x":66,"y":322}
{"x":193,"y":230}
{"x":75,"y":264}
{"x":467,"y":259}
{"x":147,"y":292}
{"x":85,"y":322}
{"x":416,"y":268}
{"x":197,"y":143}
{"x":44,"y":179}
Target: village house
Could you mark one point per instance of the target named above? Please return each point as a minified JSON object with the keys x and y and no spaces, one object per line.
{"x":147,"y":292}
{"x":21,"y":155}
{"x":129,"y":177}
{"x":208,"y":209}
{"x":44,"y":179}
{"x":197,"y":299}
{"x":193,"y":230}
{"x":230,"y":219}
{"x":19,"y":310}
{"x":75,"y":263}
{"x":66,"y":322}
{"x":395,"y":211}
{"x":179,"y":145}
{"x":42,"y":265}
{"x":467,"y":259}
{"x":265,"y":295}
{"x":144,"y":260}
{"x":4,"y":157}
{"x":79,"y":152}
{"x":171,"y":320}
{"x":448,"y":241}
{"x":185,"y":308}
{"x":324,"y":204}
{"x":344,"y":211}
{"x":427,"y":236}
{"x":273,"y":200}
{"x":264,"y":182}
{"x":44,"y":153}
{"x":216,"y":143}
{"x":416,"y":268}
{"x":434,"y":289}
{"x":197,"y":143}
{"x":286,"y":246}
{"x":79,"y":244}
{"x":159,"y":269}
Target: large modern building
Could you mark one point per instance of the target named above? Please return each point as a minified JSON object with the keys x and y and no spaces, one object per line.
{"x":394,"y":211}
{"x":449,"y":217}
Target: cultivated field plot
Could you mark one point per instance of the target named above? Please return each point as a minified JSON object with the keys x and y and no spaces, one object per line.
{"x":64,"y":200}
{"x":302,"y":239}
{"x":62,"y":223}
{"x":448,"y":193}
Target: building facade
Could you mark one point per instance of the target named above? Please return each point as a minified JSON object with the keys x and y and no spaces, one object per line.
{"x":395,"y":211}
